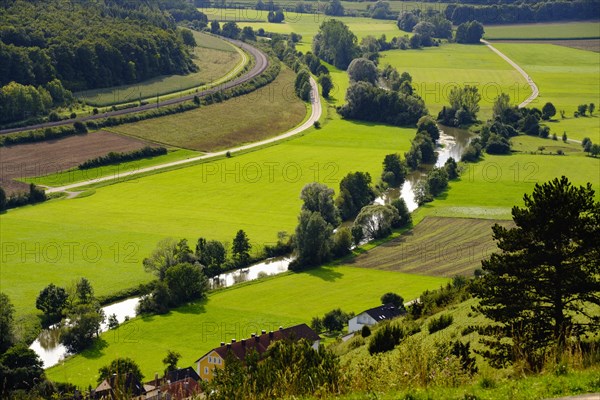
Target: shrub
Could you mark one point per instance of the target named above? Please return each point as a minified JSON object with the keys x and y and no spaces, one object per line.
{"x":439,"y":323}
{"x":116,"y":158}
{"x":365,"y":331}
{"x":385,"y":339}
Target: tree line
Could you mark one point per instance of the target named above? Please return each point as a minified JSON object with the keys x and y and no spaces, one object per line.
{"x":49,"y":49}
{"x":116,"y":158}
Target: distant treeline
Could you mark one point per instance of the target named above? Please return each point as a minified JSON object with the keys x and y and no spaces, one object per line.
{"x":524,"y":12}
{"x":116,"y":158}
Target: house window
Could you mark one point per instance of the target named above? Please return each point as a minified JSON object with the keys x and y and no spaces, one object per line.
{"x":209,"y":359}
{"x":205,"y":370}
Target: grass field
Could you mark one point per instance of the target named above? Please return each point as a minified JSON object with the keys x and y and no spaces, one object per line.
{"x":236,"y":313}
{"x":306,"y":25}
{"x":213,"y":56}
{"x":555,"y":30}
{"x":491,"y":187}
{"x":436,"y":70}
{"x":269,"y":111}
{"x":117,"y":226}
{"x":566,"y":77}
{"x":443,"y":247}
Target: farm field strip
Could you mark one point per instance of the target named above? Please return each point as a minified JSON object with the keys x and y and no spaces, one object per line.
{"x":237,"y":312}
{"x":436,"y":246}
{"x":548,"y":31}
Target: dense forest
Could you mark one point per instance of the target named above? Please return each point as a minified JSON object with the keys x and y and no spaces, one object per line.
{"x":47,"y":47}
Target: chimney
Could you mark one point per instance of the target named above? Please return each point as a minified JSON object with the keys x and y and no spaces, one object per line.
{"x":156,"y":379}
{"x":243,"y":342}
{"x":257,"y":338}
{"x":228,"y":346}
{"x":271,"y":334}
{"x":232,"y":340}
{"x":263,"y":331}
{"x":253,"y":335}
{"x":222,"y":344}
{"x":281,"y":328}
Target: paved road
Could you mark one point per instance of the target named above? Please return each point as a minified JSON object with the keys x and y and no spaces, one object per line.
{"x":534,"y":89}
{"x":261,"y":63}
{"x":315,"y":114}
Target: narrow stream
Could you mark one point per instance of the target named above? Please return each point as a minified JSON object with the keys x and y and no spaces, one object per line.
{"x":452,"y":143}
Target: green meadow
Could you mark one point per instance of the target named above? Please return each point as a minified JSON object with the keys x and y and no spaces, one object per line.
{"x":214,"y":57}
{"x":236,"y":313}
{"x":566,"y":77}
{"x":436,"y":70}
{"x":555,"y":30}
{"x":112,"y":230}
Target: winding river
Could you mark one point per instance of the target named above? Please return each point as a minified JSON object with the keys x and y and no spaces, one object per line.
{"x":452,"y":143}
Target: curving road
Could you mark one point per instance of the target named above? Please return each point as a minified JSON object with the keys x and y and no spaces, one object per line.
{"x":315,"y":114}
{"x":534,"y":89}
{"x":261,"y":63}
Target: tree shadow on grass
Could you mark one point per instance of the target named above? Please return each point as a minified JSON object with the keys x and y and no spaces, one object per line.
{"x":329,"y":274}
{"x":96,"y":351}
{"x":196,"y":307}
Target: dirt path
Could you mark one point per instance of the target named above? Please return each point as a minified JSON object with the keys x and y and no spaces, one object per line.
{"x":534,"y":89}
{"x":314,"y":116}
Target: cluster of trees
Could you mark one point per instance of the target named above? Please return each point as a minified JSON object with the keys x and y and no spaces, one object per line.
{"x":427,"y":27}
{"x":116,"y":158}
{"x":22,"y":101}
{"x":315,"y":242}
{"x":367,"y":102}
{"x":539,"y":11}
{"x":469,"y":32}
{"x":82,"y":47}
{"x":592,"y":149}
{"x":334,"y":8}
{"x":33,"y":196}
{"x":422,"y":149}
{"x":464,"y":106}
{"x":335,"y":43}
{"x":182,"y":274}
{"x":583,"y":108}
{"x":436,"y":182}
{"x":332,"y":321}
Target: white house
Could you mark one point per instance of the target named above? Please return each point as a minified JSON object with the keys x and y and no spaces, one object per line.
{"x":373,"y":316}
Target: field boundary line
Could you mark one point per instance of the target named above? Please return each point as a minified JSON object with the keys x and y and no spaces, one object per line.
{"x":534,"y":89}
{"x":315,"y":114}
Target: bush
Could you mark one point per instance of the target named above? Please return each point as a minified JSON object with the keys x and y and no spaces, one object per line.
{"x":365,"y":331}
{"x":116,"y":158}
{"x":442,"y":322}
{"x":385,"y":339}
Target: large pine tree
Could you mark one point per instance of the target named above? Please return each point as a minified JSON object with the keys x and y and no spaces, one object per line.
{"x":543,"y":286}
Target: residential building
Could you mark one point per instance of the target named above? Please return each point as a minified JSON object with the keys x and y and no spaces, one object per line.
{"x":373,"y":316}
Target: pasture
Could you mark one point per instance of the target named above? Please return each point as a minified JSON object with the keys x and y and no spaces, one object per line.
{"x":436,"y":70}
{"x":214,"y":57}
{"x":236,"y":313}
{"x":111,"y":231}
{"x":566,"y":77}
{"x":266,"y":112}
{"x":443,"y":247}
{"x":547,"y":31}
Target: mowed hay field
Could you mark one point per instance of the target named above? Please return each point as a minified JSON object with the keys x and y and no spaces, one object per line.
{"x":214,"y":57}
{"x":35,"y":159}
{"x":555,"y":30}
{"x":118,"y":226}
{"x":443,"y":247}
{"x":437,"y":70}
{"x":268,"y":111}
{"x":236,"y":313}
{"x":565,"y":77}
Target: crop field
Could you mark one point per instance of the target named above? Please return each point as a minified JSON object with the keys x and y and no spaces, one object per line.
{"x":111,"y":231}
{"x":213,"y":56}
{"x":443,"y":247}
{"x":556,"y":30}
{"x":566,"y":77}
{"x":269,"y":111}
{"x":436,"y":70}
{"x":236,"y":313}
{"x":36,"y":159}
